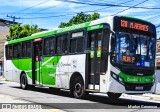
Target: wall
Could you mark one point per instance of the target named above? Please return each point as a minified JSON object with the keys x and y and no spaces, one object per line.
{"x":3,"y":32}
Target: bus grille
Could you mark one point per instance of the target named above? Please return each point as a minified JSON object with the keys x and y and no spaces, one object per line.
{"x":138,"y":87}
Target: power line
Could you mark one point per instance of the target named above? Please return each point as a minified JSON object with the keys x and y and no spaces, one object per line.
{"x":154,"y":17}
{"x":129,"y":8}
{"x":72,"y":13}
{"x":158,"y":26}
{"x":33,"y":6}
{"x":103,"y":4}
{"x":76,"y":12}
{"x":27,"y":9}
{"x":47,"y":16}
{"x":108,"y":5}
{"x":46,"y":8}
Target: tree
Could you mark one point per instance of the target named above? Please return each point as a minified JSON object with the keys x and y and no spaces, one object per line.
{"x":17,"y":31}
{"x":80,"y":18}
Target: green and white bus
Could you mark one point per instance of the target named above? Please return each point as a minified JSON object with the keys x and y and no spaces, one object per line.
{"x":112,"y":55}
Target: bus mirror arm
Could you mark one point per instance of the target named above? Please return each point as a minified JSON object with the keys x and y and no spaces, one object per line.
{"x":112,"y":33}
{"x":110,"y":53}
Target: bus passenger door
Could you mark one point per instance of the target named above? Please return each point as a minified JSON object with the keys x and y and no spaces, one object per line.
{"x":98,"y":44}
{"x":95,"y":46}
{"x":37,"y":62}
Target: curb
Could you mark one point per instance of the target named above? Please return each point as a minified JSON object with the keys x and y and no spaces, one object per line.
{"x":150,"y":97}
{"x":136,"y":97}
{"x":154,"y":97}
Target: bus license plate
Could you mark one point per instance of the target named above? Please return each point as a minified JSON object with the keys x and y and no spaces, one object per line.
{"x":139,"y":88}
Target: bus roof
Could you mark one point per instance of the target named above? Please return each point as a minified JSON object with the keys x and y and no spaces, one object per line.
{"x":62,"y":30}
{"x":135,"y":19}
{"x":51,"y":32}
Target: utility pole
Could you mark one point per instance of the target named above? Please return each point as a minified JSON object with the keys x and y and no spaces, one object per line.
{"x":14,"y":18}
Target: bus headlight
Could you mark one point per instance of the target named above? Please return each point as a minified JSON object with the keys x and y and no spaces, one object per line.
{"x":117,"y":78}
{"x":120,"y":79}
{"x":114,"y":76}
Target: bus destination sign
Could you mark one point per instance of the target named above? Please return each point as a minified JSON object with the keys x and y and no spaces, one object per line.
{"x":126,"y":24}
{"x":134,"y":25}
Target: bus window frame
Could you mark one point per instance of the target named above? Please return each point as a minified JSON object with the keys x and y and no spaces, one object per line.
{"x":62,"y":35}
{"x":31,"y":43}
{"x":19,"y":49}
{"x":7,"y":47}
{"x":43,"y":44}
{"x":84,"y":30}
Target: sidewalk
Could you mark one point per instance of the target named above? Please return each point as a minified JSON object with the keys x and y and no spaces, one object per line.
{"x":151,"y":97}
{"x":2,"y":78}
{"x":10,"y":100}
{"x":155,"y":97}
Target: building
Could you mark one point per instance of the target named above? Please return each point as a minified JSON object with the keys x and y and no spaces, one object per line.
{"x":4,"y":31}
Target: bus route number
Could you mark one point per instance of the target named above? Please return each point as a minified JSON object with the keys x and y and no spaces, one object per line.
{"x":128,"y":59}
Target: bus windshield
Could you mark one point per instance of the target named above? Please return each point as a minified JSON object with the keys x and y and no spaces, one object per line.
{"x":134,"y":49}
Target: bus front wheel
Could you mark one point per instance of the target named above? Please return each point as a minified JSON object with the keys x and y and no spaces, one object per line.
{"x":78,"y":88}
{"x":23,"y":81}
{"x":114,"y":95}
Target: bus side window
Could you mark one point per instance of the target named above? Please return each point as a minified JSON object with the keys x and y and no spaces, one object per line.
{"x":24,"y":48}
{"x":19,"y":50}
{"x":72,"y":45}
{"x":46,"y":46}
{"x":59,"y":45}
{"x":52,"y":46}
{"x":77,"y":42}
{"x":65,"y":44}
{"x":28,"y":49}
{"x":80,"y":44}
{"x":9,"y":52}
{"x":15,"y":51}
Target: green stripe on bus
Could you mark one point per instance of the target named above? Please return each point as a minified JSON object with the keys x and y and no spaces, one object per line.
{"x":48,"y":69}
{"x":137,"y":79}
{"x":94,"y":27}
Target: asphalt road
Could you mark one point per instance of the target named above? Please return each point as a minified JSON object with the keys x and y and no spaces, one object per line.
{"x":62,"y":100}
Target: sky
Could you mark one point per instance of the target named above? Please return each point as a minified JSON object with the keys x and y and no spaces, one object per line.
{"x":48,"y":14}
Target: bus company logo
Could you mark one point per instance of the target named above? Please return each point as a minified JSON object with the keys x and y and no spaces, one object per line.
{"x":132,"y":80}
{"x":63,"y":64}
{"x":71,"y":28}
{"x":140,"y":80}
{"x":74,"y":63}
{"x":140,"y":74}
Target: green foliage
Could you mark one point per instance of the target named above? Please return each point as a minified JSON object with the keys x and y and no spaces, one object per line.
{"x":80,"y":18}
{"x":17,"y":31}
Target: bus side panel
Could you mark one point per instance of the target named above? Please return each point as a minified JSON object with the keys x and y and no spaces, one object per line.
{"x":77,"y":64}
{"x":26,"y":66}
{"x":16,"y":72}
{"x":62,"y":74}
{"x":49,"y":70}
{"x":8,"y":66}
